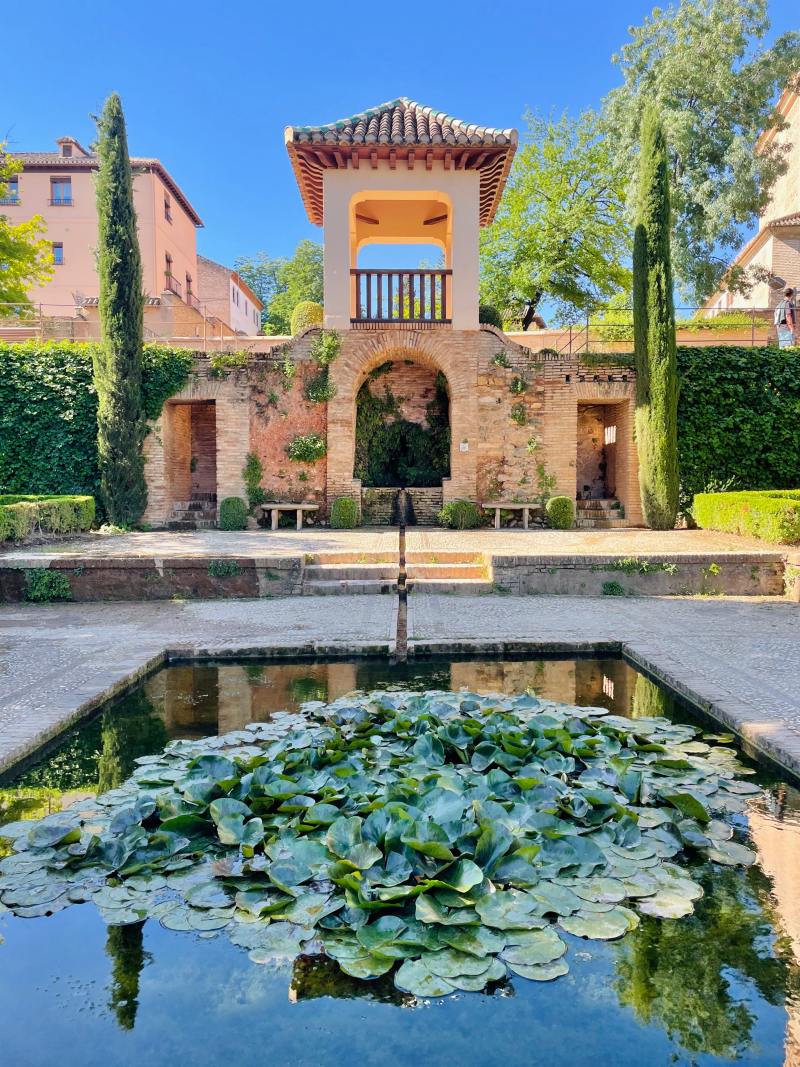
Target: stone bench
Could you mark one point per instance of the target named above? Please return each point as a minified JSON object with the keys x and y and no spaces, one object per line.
{"x":503,"y":505}
{"x":274,"y":510}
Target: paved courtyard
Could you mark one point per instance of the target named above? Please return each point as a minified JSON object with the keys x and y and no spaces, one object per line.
{"x":737,"y":658}
{"x":385,"y":539}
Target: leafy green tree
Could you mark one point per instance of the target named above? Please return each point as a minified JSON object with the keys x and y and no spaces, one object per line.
{"x":118,"y":360}
{"x":654,"y":333}
{"x":282,"y":283}
{"x":130,"y":730}
{"x":560,"y":233}
{"x":25,"y":255}
{"x":125,"y":947}
{"x":703,"y":64}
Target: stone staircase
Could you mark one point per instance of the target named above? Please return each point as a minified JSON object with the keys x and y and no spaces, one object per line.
{"x":335,"y":573}
{"x":447,"y":572}
{"x":199,"y":513}
{"x":606,"y":514}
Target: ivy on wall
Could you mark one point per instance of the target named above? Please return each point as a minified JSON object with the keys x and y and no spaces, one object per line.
{"x":391,"y":450}
{"x":48,"y":412}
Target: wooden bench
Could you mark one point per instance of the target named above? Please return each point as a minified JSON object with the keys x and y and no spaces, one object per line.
{"x":275,"y":509}
{"x":503,"y":505}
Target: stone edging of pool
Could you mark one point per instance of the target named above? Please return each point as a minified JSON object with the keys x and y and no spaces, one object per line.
{"x":771,"y":742}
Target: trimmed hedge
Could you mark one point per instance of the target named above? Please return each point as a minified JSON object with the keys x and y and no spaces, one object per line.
{"x":560,"y":512}
{"x":306,"y":313}
{"x":48,"y":412}
{"x":22,"y":515}
{"x":344,"y":513}
{"x":233,"y":514}
{"x":770,"y":516}
{"x":460,"y":515}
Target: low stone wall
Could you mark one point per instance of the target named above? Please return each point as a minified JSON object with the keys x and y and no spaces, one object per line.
{"x":163,"y":579}
{"x":376,"y":505}
{"x":726,"y":574}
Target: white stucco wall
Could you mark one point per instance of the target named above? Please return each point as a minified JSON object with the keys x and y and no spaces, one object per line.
{"x":460,"y":187}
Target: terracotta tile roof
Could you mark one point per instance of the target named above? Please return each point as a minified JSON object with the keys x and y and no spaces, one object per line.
{"x":405,"y":122}
{"x":401,"y":129}
{"x":785,"y":220}
{"x":53,"y":160}
{"x":94,"y":301}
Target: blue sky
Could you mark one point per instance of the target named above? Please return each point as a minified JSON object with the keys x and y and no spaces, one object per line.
{"x":208,"y":87}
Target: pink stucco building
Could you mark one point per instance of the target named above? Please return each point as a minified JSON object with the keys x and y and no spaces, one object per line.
{"x":59,"y":186}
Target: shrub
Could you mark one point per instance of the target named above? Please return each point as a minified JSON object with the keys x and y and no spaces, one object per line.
{"x":21,"y":515}
{"x":233,"y":514}
{"x":519,"y":414}
{"x":613,"y":589}
{"x":252,"y":473}
{"x":460,"y":515}
{"x":344,"y":513}
{"x":223,"y":568}
{"x":325,"y":348}
{"x":320,"y":389}
{"x":771,"y":516}
{"x":306,"y":313}
{"x":518,"y":386}
{"x":560,"y":512}
{"x":307,"y":448}
{"x":43,"y":585}
{"x":489,"y":314}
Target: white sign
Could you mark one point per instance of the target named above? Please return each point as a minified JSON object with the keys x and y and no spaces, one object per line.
{"x":464,"y":446}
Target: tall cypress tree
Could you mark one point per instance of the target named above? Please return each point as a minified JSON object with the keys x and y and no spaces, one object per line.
{"x":654,"y":333}
{"x":118,"y":362}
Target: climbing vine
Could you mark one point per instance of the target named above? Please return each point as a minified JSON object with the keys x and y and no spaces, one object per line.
{"x":391,"y":450}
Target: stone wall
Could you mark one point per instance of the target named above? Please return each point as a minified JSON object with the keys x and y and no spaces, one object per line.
{"x":376,"y":505}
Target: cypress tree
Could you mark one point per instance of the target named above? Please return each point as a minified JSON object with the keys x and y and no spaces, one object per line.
{"x":654,"y":333}
{"x":118,"y":359}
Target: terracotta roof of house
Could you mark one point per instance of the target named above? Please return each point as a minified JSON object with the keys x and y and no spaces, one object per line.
{"x":54,"y":160}
{"x":401,"y":129}
{"x":785,"y":220}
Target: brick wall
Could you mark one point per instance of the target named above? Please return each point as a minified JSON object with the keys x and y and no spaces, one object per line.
{"x":376,"y":505}
{"x":204,"y":447}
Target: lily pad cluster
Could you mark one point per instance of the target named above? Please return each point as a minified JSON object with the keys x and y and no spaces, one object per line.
{"x":451,"y":838}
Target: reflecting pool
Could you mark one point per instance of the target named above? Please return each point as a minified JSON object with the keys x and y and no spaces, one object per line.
{"x":721,"y":984}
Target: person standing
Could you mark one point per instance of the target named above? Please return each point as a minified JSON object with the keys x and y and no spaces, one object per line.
{"x":786,"y":320}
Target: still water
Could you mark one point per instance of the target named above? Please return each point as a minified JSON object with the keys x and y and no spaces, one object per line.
{"x":718,"y":986}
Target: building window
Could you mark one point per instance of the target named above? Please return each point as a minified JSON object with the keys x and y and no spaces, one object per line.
{"x":61,"y":192}
{"x":58,"y":253}
{"x":167,"y":208}
{"x":188,"y":284}
{"x":10,"y":191}
{"x":168,"y":266}
{"x":66,"y":150}
{"x":610,"y":436}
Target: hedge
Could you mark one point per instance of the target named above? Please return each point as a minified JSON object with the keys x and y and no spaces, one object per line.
{"x":344,"y":513}
{"x":460,"y":515}
{"x":233,"y":514}
{"x":770,"y":516}
{"x":560,"y":511}
{"x":22,"y":515}
{"x":48,"y":412}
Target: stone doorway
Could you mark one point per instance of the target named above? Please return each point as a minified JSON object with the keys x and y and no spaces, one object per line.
{"x":596,"y":468}
{"x":190,"y":459}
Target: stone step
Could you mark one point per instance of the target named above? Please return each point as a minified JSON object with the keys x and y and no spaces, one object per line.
{"x":458,"y":572}
{"x":348,"y":587}
{"x":444,"y":557}
{"x":465,"y":587}
{"x":191,"y":524}
{"x":601,"y":504}
{"x":315,"y":572}
{"x":601,"y":524}
{"x":360,"y":558}
{"x":189,"y":514}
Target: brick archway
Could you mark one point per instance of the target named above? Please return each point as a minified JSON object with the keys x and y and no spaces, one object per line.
{"x":360,"y":354}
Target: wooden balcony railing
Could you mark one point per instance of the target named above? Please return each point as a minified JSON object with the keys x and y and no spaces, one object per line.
{"x":401,"y":295}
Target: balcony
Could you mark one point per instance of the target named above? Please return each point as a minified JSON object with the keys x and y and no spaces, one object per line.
{"x":401,"y":296}
{"x":61,"y":201}
{"x":192,"y":300}
{"x":10,"y":201}
{"x":173,"y":285}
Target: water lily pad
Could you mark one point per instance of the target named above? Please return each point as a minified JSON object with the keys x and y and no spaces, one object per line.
{"x":495,"y":972}
{"x":449,"y":963}
{"x":731,"y":853}
{"x":542,"y":972}
{"x":543,"y":946}
{"x":367,"y":966}
{"x":604,"y":926}
{"x":414,"y":977}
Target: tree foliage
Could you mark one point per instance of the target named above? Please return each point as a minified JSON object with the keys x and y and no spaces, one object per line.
{"x":703,"y":64}
{"x":118,"y":360}
{"x":560,"y":233}
{"x":654,"y":333}
{"x":25,"y":256}
{"x":281,"y":284}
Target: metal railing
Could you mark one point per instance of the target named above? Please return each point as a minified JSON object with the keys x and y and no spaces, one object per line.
{"x":61,"y":201}
{"x":611,"y":330}
{"x":167,"y":320}
{"x":401,"y":295}
{"x":10,"y":201}
{"x":172,"y":283}
{"x":192,"y":300}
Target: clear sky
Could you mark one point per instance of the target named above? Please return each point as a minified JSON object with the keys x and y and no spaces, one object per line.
{"x":208,"y":87}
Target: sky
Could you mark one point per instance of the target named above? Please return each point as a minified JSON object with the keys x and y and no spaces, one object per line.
{"x":208,"y":87}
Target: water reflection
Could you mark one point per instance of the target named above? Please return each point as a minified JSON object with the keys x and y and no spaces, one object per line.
{"x":706,"y":982}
